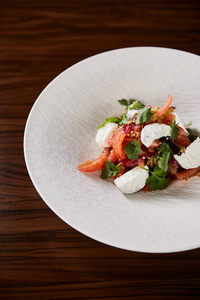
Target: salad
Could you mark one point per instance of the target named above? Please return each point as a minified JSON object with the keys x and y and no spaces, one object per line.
{"x":145,"y":148}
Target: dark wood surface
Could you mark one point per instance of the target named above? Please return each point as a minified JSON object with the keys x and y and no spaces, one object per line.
{"x":41,"y":257}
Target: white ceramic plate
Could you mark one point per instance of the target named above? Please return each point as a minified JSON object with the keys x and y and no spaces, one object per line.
{"x":60,"y":134}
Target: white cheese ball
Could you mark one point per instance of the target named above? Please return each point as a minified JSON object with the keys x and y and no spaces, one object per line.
{"x":131,"y":113}
{"x":154,"y":131}
{"x":104,"y":134}
{"x":132,"y":181}
{"x":191,"y":158}
{"x":180,"y":123}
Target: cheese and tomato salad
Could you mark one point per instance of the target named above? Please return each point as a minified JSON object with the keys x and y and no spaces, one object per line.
{"x":145,"y":148}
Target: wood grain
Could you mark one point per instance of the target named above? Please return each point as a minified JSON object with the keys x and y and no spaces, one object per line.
{"x":41,"y":257}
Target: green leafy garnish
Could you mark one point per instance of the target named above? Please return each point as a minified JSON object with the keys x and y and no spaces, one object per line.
{"x":136,"y":105}
{"x":174,"y":130}
{"x":123,"y":120}
{"x":109,"y":170}
{"x":109,"y":120}
{"x":164,"y":155}
{"x":133,"y":149}
{"x":126,"y":102}
{"x":144,"y":115}
{"x":189,"y":124}
{"x":192,"y":136}
{"x":157,"y":180}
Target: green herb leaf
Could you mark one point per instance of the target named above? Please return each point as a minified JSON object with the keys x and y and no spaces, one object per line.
{"x":136,"y":105}
{"x":157,"y":180}
{"x":133,"y":149}
{"x":144,"y":115}
{"x":164,"y":155}
{"x":174,"y":130}
{"x":126,"y":102}
{"x":192,"y":135}
{"x":109,"y":170}
{"x":109,"y":120}
{"x":189,"y":124}
{"x":123,"y":120}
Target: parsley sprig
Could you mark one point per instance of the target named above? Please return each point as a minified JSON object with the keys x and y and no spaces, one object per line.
{"x":144,"y":115}
{"x":136,"y":105}
{"x":109,"y":120}
{"x":157,"y":180}
{"x":133,"y":149}
{"x":126,"y":102}
{"x":164,"y":156}
{"x":123,"y":120}
{"x":109,"y":170}
{"x":174,"y":130}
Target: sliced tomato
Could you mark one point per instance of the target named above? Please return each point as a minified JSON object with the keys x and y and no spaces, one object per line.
{"x":141,"y":163}
{"x":112,"y":156}
{"x":156,"y":143}
{"x":186,"y":174}
{"x":165,"y":107}
{"x":97,"y":164}
{"x":116,"y":143}
{"x":182,"y":140}
{"x":181,"y":130}
{"x":145,"y":151}
{"x":169,"y":119}
{"x":127,"y":139}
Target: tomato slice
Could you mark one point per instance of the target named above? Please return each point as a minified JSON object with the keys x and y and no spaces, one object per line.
{"x":116,"y":143}
{"x":186,"y":174}
{"x":169,"y":119}
{"x":182,"y":140}
{"x":112,"y":157}
{"x":166,"y":105}
{"x":156,"y":143}
{"x":97,"y":164}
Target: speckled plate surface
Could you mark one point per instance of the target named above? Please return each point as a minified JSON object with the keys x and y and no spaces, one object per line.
{"x":60,"y":134}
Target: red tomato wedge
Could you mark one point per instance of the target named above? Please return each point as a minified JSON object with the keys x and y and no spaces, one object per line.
{"x":97,"y":164}
{"x":156,"y":143}
{"x":127,"y":139}
{"x":112,"y":156}
{"x":166,"y":105}
{"x":182,"y":140}
{"x":141,"y":163}
{"x":116,"y":143}
{"x":186,"y":174}
{"x":169,"y":119}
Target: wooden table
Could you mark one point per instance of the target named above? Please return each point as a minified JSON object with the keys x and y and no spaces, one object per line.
{"x":41,"y":256}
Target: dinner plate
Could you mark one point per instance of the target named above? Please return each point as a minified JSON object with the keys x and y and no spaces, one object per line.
{"x":60,"y":135}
